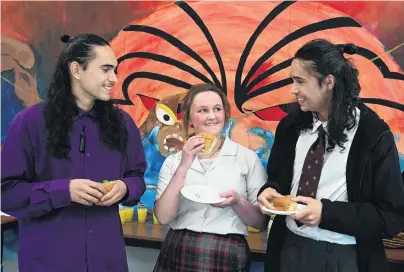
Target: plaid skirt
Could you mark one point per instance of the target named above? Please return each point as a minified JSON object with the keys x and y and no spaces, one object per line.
{"x":185,"y":250}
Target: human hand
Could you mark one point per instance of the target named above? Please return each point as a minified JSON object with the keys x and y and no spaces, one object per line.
{"x":85,"y":191}
{"x":191,"y":148}
{"x":232,"y":198}
{"x":311,"y":215}
{"x":266,"y":198}
{"x":118,"y":191}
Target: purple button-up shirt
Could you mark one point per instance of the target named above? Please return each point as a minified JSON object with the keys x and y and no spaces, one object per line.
{"x":55,"y":233}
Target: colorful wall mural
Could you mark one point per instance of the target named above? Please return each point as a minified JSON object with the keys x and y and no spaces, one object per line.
{"x":245,"y":48}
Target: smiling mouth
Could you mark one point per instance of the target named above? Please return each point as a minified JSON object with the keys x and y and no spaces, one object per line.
{"x":301,"y":100}
{"x":173,"y":142}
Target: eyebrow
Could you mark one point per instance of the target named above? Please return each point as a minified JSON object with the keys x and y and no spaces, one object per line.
{"x":297,"y":77}
{"x":108,"y":66}
{"x":203,"y":106}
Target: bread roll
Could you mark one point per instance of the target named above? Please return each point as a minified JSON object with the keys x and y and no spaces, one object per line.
{"x":210,"y":142}
{"x":285,"y":203}
{"x":107,"y":185}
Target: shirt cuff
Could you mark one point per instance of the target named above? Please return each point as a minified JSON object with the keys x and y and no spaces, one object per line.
{"x":60,"y":193}
{"x":325,"y":214}
{"x":136,"y":188}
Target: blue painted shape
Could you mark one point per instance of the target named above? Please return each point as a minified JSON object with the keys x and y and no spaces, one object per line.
{"x":10,"y":104}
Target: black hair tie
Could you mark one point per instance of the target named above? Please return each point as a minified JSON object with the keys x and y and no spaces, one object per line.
{"x":65,"y":38}
{"x":348,"y":48}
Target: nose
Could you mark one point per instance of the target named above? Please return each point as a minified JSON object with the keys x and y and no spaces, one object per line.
{"x":211,"y":115}
{"x":113,"y":78}
{"x":294,"y":90}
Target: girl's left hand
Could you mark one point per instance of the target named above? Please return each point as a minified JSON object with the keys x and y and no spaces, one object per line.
{"x":232,"y":198}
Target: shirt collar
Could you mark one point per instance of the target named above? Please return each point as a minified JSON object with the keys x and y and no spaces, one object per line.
{"x":317,"y":123}
{"x":92,"y":113}
{"x":229,"y":148}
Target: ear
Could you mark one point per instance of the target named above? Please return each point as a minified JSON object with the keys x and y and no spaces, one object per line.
{"x":329,"y":82}
{"x":75,"y":69}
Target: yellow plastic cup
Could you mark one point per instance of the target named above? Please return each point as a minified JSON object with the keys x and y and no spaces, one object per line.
{"x":155,"y":221}
{"x":129,"y":214}
{"x":122,"y":215}
{"x":141,"y":214}
{"x":251,"y":229}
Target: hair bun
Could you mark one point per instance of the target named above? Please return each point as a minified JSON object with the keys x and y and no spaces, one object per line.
{"x":349,"y":48}
{"x":65,"y":38}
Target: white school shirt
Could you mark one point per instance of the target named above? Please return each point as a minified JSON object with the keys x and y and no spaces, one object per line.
{"x":234,"y":168}
{"x":332,"y":183}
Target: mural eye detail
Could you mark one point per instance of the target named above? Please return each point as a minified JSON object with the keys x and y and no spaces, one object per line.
{"x":165,"y":115}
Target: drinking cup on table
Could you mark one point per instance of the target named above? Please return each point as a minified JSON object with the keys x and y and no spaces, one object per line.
{"x":141,"y":213}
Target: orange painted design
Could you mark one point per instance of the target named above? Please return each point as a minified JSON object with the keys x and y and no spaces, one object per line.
{"x":222,"y":19}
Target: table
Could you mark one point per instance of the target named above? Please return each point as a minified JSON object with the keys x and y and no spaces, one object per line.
{"x":395,"y":255}
{"x":150,"y":235}
{"x":396,"y":259}
{"x":7,"y":219}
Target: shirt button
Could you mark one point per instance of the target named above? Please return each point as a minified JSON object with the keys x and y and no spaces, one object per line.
{"x":91,"y":231}
{"x":88,"y":154}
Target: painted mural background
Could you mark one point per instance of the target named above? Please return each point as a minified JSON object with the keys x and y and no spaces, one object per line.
{"x":245,"y":48}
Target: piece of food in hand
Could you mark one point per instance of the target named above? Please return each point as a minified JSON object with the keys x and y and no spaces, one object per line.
{"x":285,"y":203}
{"x":210,"y":142}
{"x":107,"y":185}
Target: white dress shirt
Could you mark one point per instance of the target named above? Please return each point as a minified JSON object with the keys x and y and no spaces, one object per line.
{"x":234,"y":168}
{"x":332,"y":184}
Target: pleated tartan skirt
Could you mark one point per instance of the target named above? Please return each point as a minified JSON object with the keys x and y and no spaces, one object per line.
{"x":189,"y":251}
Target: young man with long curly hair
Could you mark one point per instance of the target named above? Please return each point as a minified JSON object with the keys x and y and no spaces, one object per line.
{"x":55,"y":158}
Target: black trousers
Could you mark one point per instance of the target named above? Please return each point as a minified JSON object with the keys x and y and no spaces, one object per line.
{"x":301,"y":254}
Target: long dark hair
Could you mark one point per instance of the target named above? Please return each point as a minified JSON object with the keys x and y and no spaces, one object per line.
{"x":325,"y":58}
{"x":60,"y":106}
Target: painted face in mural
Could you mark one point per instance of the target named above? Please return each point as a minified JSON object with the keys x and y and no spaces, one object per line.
{"x":164,"y":116}
{"x":207,"y":113}
{"x":310,"y":93}
{"x":95,"y":82}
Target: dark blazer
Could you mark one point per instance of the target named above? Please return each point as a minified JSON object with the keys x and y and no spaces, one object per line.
{"x":375,"y":207}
